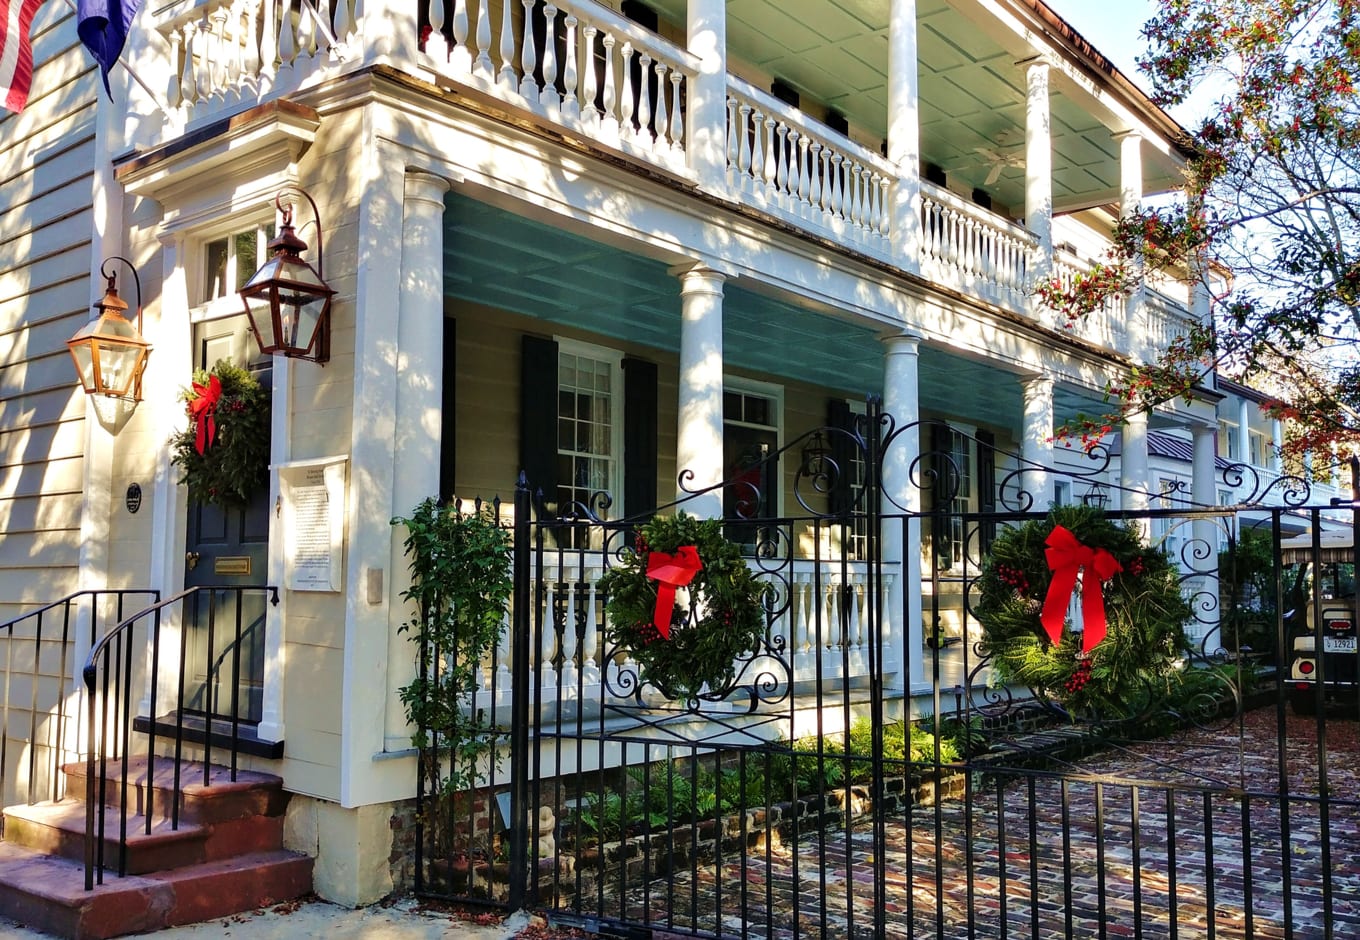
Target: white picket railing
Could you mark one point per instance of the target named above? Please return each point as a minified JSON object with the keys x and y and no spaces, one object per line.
{"x":602,"y":75}
{"x":823,"y":633}
{"x":781,"y":160}
{"x":970,"y":248}
{"x":1106,"y":326}
{"x":227,"y":52}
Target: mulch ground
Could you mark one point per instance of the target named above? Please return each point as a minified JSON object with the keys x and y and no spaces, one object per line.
{"x":1211,"y":833}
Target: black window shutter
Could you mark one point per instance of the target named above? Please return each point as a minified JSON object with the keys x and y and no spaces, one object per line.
{"x":986,"y":477}
{"x":639,"y":437}
{"x":447,"y":420}
{"x":538,"y":415}
{"x":943,"y":486}
{"x":840,"y":419}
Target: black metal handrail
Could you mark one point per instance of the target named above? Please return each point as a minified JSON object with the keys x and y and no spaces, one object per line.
{"x":109,"y":678}
{"x":65,"y":612}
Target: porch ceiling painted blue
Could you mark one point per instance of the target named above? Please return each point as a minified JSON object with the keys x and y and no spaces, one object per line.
{"x":501,"y":260}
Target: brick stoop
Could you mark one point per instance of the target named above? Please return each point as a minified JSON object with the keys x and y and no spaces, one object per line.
{"x":225,"y":857}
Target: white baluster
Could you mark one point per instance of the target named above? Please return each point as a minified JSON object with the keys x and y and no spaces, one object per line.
{"x":771,"y":166}
{"x":590,"y":110}
{"x":609,"y":96}
{"x":590,"y":641}
{"x":746,"y":130}
{"x":548,"y":96}
{"x":837,"y":187}
{"x":804,"y":170}
{"x":781,"y":155}
{"x":250,"y":50}
{"x":818,"y":171}
{"x":507,"y":48}
{"x":287,"y":40}
{"x":436,"y":46}
{"x":269,"y":45}
{"x":344,"y":21}
{"x":569,"y":668}
{"x":528,"y":60}
{"x":856,"y":208}
{"x":460,"y":56}
{"x":306,"y":35}
{"x":628,"y":100}
{"x":661,"y":122}
{"x":218,"y":75}
{"x":571,"y":104}
{"x":884,"y":200}
{"x":733,"y":140}
{"x":484,"y":68}
{"x":831,"y":652}
{"x":173,"y":92}
{"x":644,"y":115}
{"x":677,"y":115}
{"x":548,"y":641}
{"x":188,"y":81}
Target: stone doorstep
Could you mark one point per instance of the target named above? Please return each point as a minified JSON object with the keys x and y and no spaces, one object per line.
{"x":48,"y":893}
{"x":251,"y":794}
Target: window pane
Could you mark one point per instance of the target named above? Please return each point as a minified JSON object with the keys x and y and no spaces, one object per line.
{"x":757,"y":410}
{"x":246,"y":259}
{"x":215,"y":268}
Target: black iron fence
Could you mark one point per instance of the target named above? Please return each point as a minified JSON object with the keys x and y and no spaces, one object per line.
{"x":911,"y":749}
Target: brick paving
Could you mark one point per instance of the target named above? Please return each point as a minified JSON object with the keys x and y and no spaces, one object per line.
{"x":1244,"y":861}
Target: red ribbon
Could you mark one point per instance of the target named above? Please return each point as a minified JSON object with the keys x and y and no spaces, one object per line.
{"x":672,"y":571}
{"x":202,"y":409}
{"x":1067,"y":558}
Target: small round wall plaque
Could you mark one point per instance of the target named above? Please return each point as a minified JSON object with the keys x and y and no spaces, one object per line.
{"x":134,"y":497}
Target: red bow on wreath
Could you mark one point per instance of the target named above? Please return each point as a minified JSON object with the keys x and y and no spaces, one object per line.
{"x":202,"y":409}
{"x":672,"y":571}
{"x":1067,"y":558}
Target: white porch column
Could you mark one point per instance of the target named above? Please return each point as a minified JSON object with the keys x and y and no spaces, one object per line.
{"x":1036,"y":442}
{"x":707,"y":97}
{"x":1276,"y":442}
{"x":1204,"y":492}
{"x":419,"y":409}
{"x":1243,"y":455}
{"x":1039,"y":167}
{"x":1130,"y":201}
{"x":699,"y":435}
{"x":902,"y":544}
{"x":904,"y":133}
{"x":1133,"y":468}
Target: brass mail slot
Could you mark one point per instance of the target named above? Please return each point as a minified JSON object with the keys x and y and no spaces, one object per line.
{"x":232,"y":565}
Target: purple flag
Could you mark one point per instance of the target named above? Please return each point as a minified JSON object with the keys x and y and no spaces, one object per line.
{"x":103,"y":28}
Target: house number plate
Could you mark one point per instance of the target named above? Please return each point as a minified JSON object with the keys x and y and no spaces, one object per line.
{"x":232,"y":565}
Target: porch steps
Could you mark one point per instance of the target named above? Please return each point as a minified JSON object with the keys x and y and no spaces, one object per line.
{"x":226,"y":856}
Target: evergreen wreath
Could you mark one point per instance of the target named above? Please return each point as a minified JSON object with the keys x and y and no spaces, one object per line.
{"x":223,"y":454}
{"x":1134,"y":667}
{"x":723,"y":622}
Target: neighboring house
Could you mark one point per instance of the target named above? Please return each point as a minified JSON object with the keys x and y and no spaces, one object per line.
{"x":678,"y":236}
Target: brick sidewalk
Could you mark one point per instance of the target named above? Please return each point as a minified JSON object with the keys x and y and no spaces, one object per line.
{"x":1092,"y":873}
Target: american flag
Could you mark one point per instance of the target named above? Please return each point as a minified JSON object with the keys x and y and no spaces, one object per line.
{"x":16,"y":53}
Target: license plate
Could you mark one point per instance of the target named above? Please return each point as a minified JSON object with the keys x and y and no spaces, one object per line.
{"x":1338,"y":644}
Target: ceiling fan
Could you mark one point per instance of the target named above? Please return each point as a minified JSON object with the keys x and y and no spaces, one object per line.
{"x":1000,"y":161}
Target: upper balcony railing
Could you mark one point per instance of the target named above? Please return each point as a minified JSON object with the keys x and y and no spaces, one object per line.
{"x":610,"y":81}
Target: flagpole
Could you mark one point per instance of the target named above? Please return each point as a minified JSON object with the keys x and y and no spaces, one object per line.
{"x":127,"y":68}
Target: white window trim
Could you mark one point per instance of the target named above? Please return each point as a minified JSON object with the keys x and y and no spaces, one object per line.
{"x":775,"y":393}
{"x":196,"y":273}
{"x":614,"y":357}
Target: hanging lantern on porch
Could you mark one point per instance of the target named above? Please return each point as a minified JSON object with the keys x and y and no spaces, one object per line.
{"x":288,"y":301}
{"x":109,"y":351}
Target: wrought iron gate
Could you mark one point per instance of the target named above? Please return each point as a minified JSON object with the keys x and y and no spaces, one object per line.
{"x":872,"y":769}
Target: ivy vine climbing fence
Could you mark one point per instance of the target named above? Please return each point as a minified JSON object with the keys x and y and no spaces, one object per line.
{"x":1030,"y":721}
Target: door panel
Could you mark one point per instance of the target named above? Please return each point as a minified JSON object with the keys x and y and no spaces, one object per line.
{"x":227,"y":547}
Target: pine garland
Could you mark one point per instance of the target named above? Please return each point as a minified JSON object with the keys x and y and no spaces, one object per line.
{"x":234,"y":464}
{"x":1135,"y":666}
{"x":724,"y":623}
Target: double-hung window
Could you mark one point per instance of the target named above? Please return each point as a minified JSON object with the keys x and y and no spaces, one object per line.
{"x":589,"y":432}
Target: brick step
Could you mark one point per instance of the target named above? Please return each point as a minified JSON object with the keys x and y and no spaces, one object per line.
{"x":47,"y":892}
{"x":250,"y":794}
{"x":59,"y":829}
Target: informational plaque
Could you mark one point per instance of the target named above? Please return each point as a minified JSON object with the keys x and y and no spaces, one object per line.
{"x":313,"y":502}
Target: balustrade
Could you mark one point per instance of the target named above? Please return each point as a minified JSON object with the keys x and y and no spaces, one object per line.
{"x":969,"y":247}
{"x":821,"y":635}
{"x":614,"y":80}
{"x":230,"y":51}
{"x":790,"y":163}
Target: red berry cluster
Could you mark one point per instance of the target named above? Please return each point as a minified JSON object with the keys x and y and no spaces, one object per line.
{"x":1135,"y":567}
{"x":1080,"y":676}
{"x":648,"y":632}
{"x":1013,"y":577}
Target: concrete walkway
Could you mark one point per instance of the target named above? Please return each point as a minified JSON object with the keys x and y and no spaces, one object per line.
{"x":404,"y":920}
